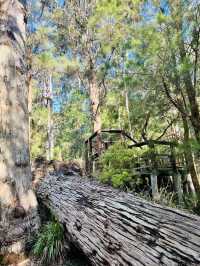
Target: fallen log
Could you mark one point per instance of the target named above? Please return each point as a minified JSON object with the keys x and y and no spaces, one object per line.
{"x":117,"y":228}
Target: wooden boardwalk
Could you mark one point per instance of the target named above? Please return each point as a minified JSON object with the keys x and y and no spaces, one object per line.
{"x":152,"y":165}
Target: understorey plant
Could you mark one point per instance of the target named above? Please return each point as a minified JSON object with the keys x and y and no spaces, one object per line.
{"x":50,"y":247}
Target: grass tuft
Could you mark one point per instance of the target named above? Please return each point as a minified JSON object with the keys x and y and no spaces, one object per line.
{"x":49,"y":245}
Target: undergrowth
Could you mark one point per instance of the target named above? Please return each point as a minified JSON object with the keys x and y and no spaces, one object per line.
{"x":49,"y":245}
{"x":116,"y":166}
{"x":117,"y":169}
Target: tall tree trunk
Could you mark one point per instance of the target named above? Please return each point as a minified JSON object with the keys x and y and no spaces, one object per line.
{"x":18,"y":215}
{"x":50,"y":136}
{"x":189,"y":155}
{"x":191,"y":94}
{"x":190,"y":87}
{"x":95,"y":108}
{"x":30,"y":98}
{"x":127,"y":101}
{"x":128,"y":113}
{"x":95,"y":102}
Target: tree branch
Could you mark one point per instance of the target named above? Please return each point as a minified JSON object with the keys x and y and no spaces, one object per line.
{"x":165,"y":130}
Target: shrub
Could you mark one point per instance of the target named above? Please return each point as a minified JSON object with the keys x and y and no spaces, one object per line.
{"x":49,"y":245}
{"x":117,"y":167}
{"x":191,"y":202}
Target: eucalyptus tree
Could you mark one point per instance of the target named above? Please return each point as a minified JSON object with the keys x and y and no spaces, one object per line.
{"x":78,"y":36}
{"x":17,"y":199}
{"x":122,"y":24}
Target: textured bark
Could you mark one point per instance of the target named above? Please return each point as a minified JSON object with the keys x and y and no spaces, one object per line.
{"x":117,"y":228}
{"x":95,"y":102}
{"x":17,"y":200}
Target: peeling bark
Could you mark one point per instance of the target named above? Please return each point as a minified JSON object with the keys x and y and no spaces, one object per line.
{"x":117,"y":228}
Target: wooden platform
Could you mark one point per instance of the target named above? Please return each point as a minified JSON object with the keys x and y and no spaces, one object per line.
{"x":152,"y":165}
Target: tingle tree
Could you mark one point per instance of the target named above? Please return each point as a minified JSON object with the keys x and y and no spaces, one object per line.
{"x":18,"y":216}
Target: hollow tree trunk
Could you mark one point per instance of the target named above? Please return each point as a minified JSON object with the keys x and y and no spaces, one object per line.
{"x":18,"y":215}
{"x":116,"y":228}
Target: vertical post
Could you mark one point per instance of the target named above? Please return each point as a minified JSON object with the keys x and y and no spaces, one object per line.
{"x":154,"y":185}
{"x":90,"y":156}
{"x":154,"y":174}
{"x":99,"y":150}
{"x":99,"y":143}
{"x":177,"y":181}
{"x":178,"y":187}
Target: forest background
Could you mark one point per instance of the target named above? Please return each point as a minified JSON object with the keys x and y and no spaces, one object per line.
{"x":131,"y":65}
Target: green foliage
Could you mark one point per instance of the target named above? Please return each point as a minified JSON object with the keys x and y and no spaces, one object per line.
{"x":144,"y":55}
{"x":49,"y":246}
{"x":73,"y":125}
{"x":191,"y":202}
{"x":1,"y":259}
{"x":117,"y":167}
